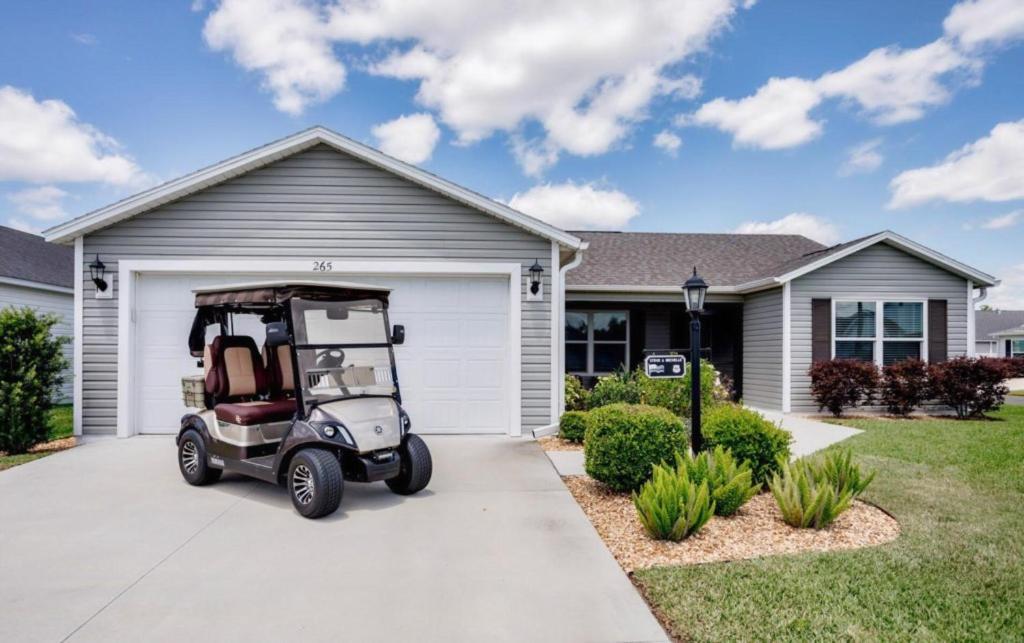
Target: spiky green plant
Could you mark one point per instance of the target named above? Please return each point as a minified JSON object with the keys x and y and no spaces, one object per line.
{"x":806,"y":497}
{"x":839,"y":469}
{"x":729,"y":482}
{"x":671,"y":506}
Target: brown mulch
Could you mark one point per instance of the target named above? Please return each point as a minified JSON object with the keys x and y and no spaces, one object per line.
{"x":555,"y":443}
{"x":756,"y":530}
{"x":51,"y":446}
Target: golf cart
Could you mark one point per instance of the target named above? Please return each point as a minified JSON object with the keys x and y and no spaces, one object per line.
{"x":320,"y":404}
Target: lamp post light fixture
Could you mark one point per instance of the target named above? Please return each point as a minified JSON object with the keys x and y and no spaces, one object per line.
{"x":695,"y":290}
{"x":97,"y":270}
{"x":536,"y":271}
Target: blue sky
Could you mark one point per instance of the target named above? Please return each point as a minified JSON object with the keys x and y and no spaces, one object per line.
{"x":552,"y":108}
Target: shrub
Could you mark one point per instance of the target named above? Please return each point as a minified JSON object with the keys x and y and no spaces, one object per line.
{"x":572,"y":426}
{"x":671,"y":506}
{"x":673,"y":393}
{"x":842,"y":383}
{"x":842,"y":473}
{"x":729,"y":482}
{"x":618,"y":388}
{"x":749,"y":437}
{"x":970,"y":386}
{"x":623,"y":442}
{"x":1012,"y":366}
{"x":904,"y":386}
{"x":31,"y":368}
{"x":814,"y":492}
{"x":577,"y":397}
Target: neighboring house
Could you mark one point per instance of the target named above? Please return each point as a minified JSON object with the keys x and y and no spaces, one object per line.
{"x":479,"y":351}
{"x":999,"y":333}
{"x":39,"y":275}
{"x":775,"y":304}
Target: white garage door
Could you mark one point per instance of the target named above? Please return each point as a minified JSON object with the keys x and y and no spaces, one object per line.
{"x":453,"y":367}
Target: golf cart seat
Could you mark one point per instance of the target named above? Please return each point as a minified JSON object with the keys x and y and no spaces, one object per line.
{"x":279,"y":371}
{"x":237,"y":376}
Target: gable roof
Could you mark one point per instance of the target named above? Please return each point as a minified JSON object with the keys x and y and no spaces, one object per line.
{"x":987,"y":322}
{"x":730,"y":263}
{"x":27,"y":257}
{"x":261,"y":156}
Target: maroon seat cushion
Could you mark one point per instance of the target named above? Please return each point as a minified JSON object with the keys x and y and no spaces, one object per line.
{"x":248,"y":413}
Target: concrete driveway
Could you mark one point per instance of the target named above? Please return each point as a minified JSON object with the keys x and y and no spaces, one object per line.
{"x":106,"y":542}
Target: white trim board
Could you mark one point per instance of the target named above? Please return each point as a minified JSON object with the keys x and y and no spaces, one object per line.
{"x":298,"y":142}
{"x":36,"y":285}
{"x":128,"y":271}
{"x":787,"y":348}
{"x":79,"y":313}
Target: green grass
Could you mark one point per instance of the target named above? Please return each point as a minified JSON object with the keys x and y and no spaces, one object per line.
{"x":955,"y":573}
{"x":60,"y":427}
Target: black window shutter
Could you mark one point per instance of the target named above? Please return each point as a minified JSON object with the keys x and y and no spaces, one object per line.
{"x":821,"y":330}
{"x":1009,"y":348}
{"x":937,"y":345}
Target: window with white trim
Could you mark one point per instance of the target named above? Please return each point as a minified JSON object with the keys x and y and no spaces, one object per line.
{"x":898,"y":333}
{"x":1017,"y":348}
{"x":596,"y":342}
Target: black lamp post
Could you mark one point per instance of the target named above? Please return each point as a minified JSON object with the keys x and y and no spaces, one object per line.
{"x":536,"y":270}
{"x":695,"y":289}
{"x":98,"y":271}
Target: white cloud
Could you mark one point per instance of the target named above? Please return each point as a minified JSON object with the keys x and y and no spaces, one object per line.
{"x":1004,"y":221}
{"x":43,"y":141}
{"x":585,"y":73}
{"x":534,"y":155}
{"x":43,"y":202}
{"x":84,"y":38}
{"x":577,"y":207}
{"x":24,"y":226}
{"x":667,"y":141}
{"x":1009,"y":294}
{"x":777,"y":116}
{"x":979,"y":22}
{"x":409,"y":138}
{"x":989,"y":169}
{"x":807,"y":225}
{"x":287,"y":41}
{"x":862,"y":158}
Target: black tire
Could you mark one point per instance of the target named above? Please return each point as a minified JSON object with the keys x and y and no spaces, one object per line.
{"x":417,"y":466}
{"x":315,"y":483}
{"x":193,"y":462}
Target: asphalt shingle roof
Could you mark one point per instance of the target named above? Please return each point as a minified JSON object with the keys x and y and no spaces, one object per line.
{"x":667,"y":259}
{"x":26,"y":256}
{"x":987,"y":322}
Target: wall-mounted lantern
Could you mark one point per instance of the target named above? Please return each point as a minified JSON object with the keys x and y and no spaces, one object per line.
{"x":534,"y":292}
{"x":98,"y":272}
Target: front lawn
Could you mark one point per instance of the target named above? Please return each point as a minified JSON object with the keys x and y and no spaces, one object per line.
{"x":957,"y":572}
{"x":60,"y":428}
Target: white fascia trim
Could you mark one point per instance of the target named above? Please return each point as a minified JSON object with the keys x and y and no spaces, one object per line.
{"x":79,"y":325}
{"x":787,"y":348}
{"x":129,"y":269}
{"x":36,"y":285}
{"x":293,"y":144}
{"x":648,"y":289}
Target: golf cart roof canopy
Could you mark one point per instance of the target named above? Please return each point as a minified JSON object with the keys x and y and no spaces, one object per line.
{"x":278,"y":292}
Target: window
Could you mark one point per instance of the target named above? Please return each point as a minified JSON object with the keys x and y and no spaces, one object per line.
{"x":1017,"y":348}
{"x":596,"y":342}
{"x":861,"y":333}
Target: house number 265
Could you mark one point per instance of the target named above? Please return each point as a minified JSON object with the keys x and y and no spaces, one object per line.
{"x":323,"y":266}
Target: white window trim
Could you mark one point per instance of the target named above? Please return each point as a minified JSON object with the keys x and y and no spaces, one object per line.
{"x":879,"y":339}
{"x":590,"y":372}
{"x":1014,"y":340}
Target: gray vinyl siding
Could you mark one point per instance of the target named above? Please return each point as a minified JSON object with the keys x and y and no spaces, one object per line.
{"x":762,"y":349}
{"x":879,"y":271}
{"x":48,"y":302}
{"x":318,"y":204}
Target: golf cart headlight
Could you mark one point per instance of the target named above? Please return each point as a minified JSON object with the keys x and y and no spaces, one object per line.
{"x":330,"y":431}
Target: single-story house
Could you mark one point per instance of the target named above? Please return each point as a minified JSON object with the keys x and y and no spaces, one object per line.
{"x":485,"y":350}
{"x":39,"y":275}
{"x":1000,"y":333}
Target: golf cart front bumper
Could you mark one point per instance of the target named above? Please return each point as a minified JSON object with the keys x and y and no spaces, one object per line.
{"x":369,"y":468}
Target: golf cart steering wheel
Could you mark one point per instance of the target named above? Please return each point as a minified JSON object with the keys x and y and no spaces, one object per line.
{"x":331,"y":358}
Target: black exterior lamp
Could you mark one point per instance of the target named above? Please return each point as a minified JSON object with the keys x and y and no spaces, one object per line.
{"x":695,"y":290}
{"x":98,"y":271}
{"x":536,"y":270}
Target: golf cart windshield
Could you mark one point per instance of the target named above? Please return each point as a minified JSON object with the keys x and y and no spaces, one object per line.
{"x":342,"y":348}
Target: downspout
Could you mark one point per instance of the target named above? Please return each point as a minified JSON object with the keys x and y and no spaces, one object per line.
{"x":551,"y":429}
{"x":972,"y":339}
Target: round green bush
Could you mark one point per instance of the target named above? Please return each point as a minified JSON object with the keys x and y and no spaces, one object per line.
{"x":749,"y":436}
{"x":624,"y":441}
{"x":572,"y":426}
{"x":577,"y":397}
{"x":673,"y":393}
{"x":620,"y":388}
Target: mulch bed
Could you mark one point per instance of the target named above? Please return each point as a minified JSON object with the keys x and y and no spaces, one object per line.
{"x":555,"y":443}
{"x":756,"y":530}
{"x":51,"y":446}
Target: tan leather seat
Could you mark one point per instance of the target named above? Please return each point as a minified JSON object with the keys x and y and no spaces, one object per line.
{"x":237,"y":379}
{"x":279,"y":370}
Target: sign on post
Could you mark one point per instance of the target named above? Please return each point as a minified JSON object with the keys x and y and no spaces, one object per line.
{"x":658,"y":366}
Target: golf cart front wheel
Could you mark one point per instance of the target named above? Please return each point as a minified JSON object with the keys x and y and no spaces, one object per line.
{"x":192,"y":460}
{"x":416,"y":467}
{"x":315,"y":483}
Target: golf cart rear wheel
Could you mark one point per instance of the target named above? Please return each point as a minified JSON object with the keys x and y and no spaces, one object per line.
{"x":192,"y":460}
{"x":416,"y":467}
{"x":315,"y":483}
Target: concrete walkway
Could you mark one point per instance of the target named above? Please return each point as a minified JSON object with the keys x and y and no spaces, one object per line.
{"x":105,"y":542}
{"x":809,"y":435}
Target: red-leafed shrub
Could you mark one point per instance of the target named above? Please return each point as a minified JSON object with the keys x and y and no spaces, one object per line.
{"x":904,"y":386}
{"x":842,"y":383}
{"x":1012,"y":366}
{"x":968,"y":385}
